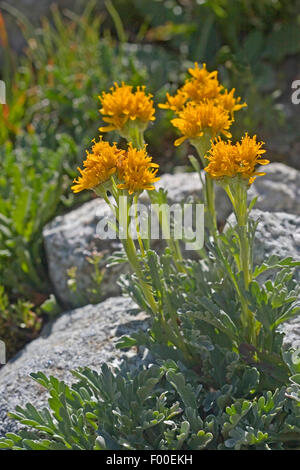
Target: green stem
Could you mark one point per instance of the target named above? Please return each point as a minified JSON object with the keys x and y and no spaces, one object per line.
{"x":136,"y":136}
{"x":173,"y":333}
{"x":108,"y":202}
{"x":172,"y":244}
{"x":130,"y":250}
{"x":140,"y":139}
{"x":178,"y":250}
{"x":137,"y":225}
{"x":237,"y":194}
{"x":231,"y":197}
{"x":245,"y":256}
{"x":132,"y":256}
{"x":169,"y":325}
{"x":242,"y":220}
{"x":210,"y":198}
{"x":202,"y":146}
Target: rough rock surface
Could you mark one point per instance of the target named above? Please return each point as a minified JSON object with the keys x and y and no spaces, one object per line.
{"x":278,"y":190}
{"x":86,"y":336}
{"x":292,"y":333}
{"x":71,"y":239}
{"x":82,"y":337}
{"x":278,"y":233}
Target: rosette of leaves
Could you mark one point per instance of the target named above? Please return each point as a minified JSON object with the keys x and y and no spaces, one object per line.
{"x":161,"y":407}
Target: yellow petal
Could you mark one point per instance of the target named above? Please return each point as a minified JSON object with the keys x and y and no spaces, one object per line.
{"x":179,"y":141}
{"x":107,"y":129}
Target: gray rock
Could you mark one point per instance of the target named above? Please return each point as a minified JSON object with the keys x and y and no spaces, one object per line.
{"x":82,"y":337}
{"x":71,"y":240}
{"x":182,"y":186}
{"x":292,"y":333}
{"x":278,"y":190}
{"x":278,"y":233}
{"x":86,"y":336}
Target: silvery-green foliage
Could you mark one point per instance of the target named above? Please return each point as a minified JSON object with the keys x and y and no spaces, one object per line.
{"x":159,"y":407}
{"x":205,"y":302}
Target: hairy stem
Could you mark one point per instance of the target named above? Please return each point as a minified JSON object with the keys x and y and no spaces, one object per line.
{"x":237,"y":194}
{"x":202,"y":146}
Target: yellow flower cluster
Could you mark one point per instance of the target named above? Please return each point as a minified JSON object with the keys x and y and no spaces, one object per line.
{"x":99,"y":165}
{"x":202,"y":106}
{"x":133,"y":168}
{"x":228,"y":160}
{"x":122,"y":104}
{"x":194,"y":120}
{"x":137,"y":171}
{"x":229,"y":102}
{"x":203,"y":85}
{"x":202,"y":90}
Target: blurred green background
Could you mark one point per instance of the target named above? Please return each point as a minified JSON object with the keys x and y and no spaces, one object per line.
{"x":57,"y":58}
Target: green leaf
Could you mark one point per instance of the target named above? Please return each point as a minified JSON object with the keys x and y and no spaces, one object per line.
{"x":185,"y":391}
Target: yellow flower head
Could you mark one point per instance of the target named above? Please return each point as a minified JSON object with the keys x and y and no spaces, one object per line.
{"x":196,"y":119}
{"x":197,"y":92}
{"x":176,"y":102}
{"x":137,"y":171}
{"x":228,"y":160}
{"x":122,"y":105}
{"x":229,"y":102}
{"x":201,"y":74}
{"x":99,"y":165}
{"x":202,"y":86}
